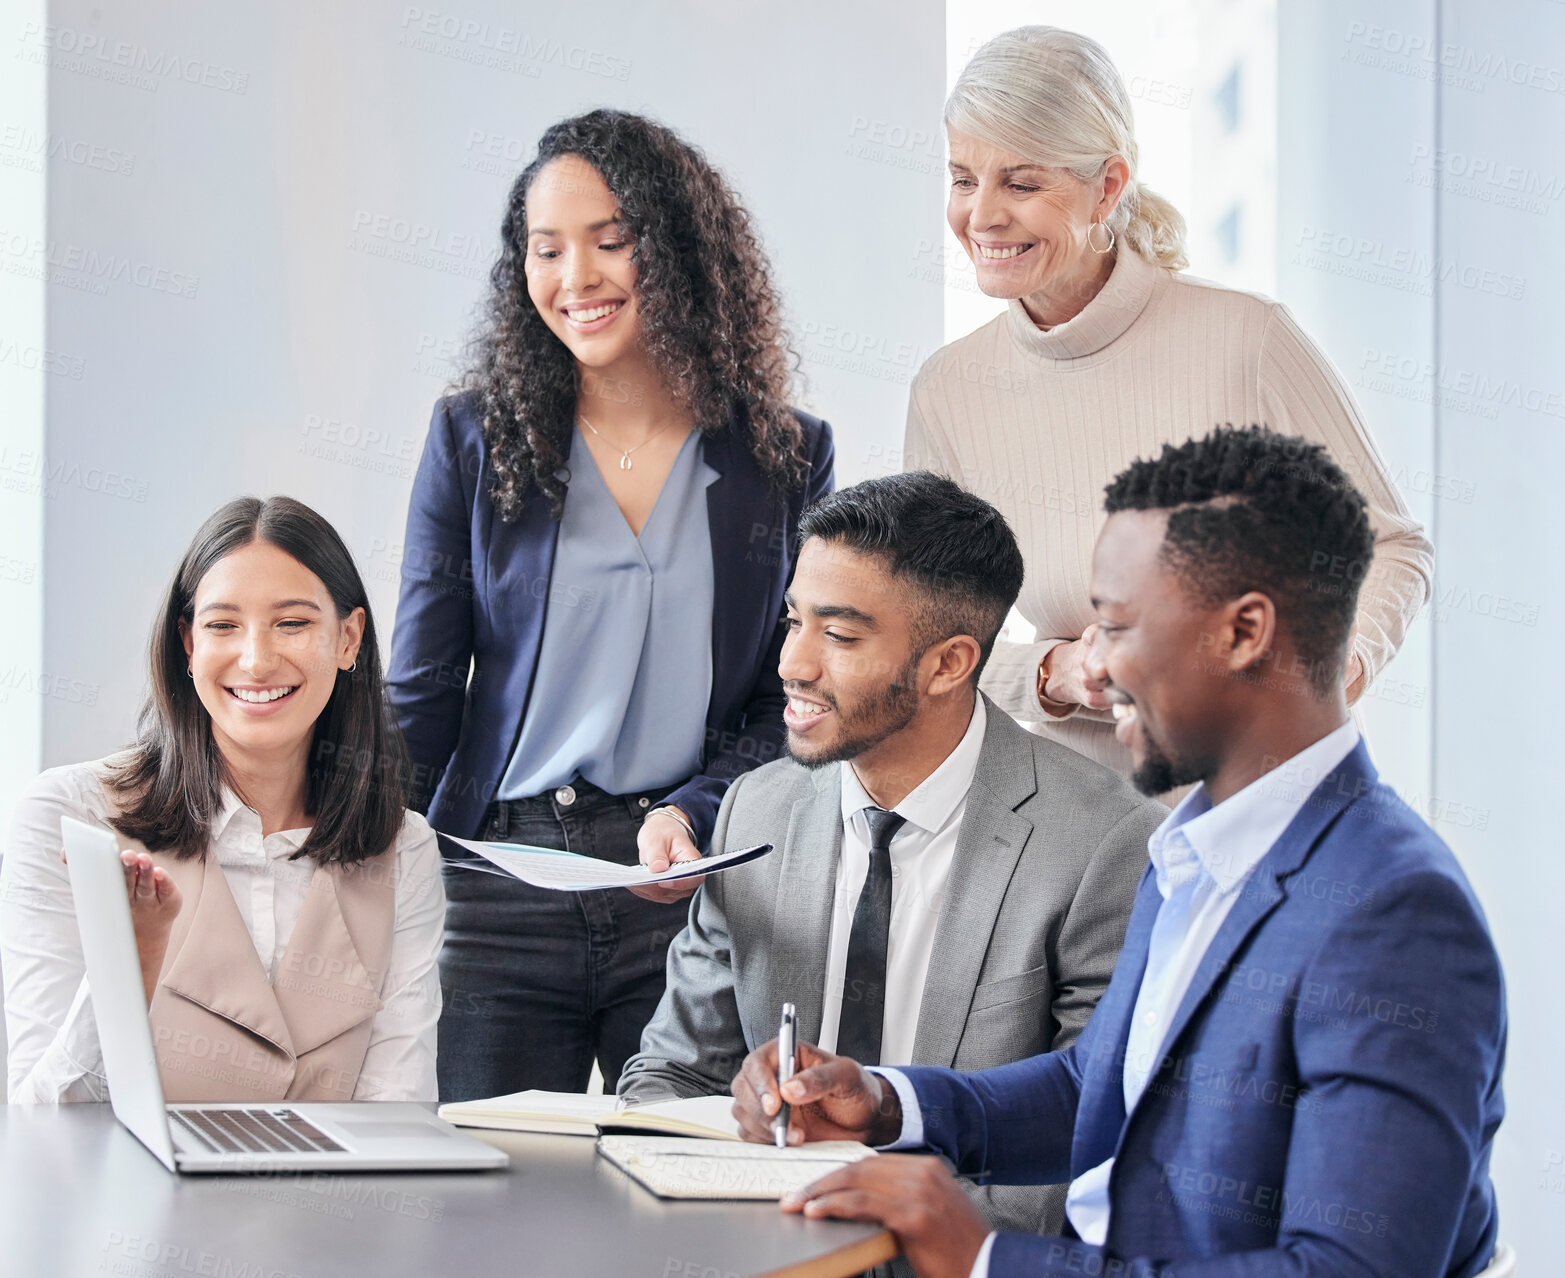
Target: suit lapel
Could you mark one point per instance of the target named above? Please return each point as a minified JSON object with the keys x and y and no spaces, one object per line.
{"x":1101,"y":1111}
{"x":1263,"y":891}
{"x":217,"y":966}
{"x":988,"y":845}
{"x":323,"y":987}
{"x":806,"y":885}
{"x":741,"y":516}
{"x":519,"y":567}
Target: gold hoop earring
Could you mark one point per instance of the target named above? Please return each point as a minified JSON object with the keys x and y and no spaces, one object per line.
{"x":1107,"y":248}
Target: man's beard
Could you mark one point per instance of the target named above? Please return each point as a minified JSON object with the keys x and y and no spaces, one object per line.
{"x":869,"y":722}
{"x":1158,"y":774}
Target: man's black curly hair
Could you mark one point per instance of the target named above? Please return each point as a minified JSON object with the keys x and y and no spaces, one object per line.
{"x":1254,"y":510}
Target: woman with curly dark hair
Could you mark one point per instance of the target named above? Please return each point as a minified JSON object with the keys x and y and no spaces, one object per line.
{"x":600,"y":533}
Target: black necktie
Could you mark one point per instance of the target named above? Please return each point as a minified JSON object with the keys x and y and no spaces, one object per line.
{"x":864,"y":978}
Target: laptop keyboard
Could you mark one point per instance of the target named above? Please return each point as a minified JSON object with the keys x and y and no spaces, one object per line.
{"x":254,"y":1131}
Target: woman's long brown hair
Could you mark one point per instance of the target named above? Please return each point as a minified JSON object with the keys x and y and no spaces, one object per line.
{"x":169,"y":788}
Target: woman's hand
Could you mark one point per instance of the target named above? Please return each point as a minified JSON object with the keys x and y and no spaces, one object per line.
{"x":830,"y":1098}
{"x":1068,"y":681}
{"x":663,"y":842}
{"x":154,"y":905}
{"x":1353,"y":681}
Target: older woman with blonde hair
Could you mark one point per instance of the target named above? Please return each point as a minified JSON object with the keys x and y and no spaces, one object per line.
{"x":1107,"y":352}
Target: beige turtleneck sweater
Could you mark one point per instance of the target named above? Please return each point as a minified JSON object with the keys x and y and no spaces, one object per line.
{"x":1039,"y":422}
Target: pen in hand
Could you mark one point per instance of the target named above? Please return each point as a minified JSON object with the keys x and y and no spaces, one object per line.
{"x":785,"y":1068}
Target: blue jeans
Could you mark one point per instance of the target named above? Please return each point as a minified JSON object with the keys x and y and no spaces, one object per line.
{"x":538,"y":984}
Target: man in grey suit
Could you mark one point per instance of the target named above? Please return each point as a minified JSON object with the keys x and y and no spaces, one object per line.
{"x":946,"y":888}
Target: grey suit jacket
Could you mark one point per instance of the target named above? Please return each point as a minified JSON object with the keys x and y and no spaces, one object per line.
{"x":1047,"y":860}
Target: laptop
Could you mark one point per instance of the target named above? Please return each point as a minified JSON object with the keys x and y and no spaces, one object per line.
{"x":281,"y":1136}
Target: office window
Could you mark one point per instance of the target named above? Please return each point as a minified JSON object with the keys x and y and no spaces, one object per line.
{"x":1226,"y":99}
{"x":1227,"y":232}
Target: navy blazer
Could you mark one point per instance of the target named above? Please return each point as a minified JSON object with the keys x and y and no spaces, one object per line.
{"x":475,"y":590}
{"x":1328,"y":1091}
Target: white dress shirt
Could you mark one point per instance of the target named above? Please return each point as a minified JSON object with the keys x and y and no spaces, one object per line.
{"x":921,"y":852}
{"x":53,"y":1039}
{"x":1202,"y":855}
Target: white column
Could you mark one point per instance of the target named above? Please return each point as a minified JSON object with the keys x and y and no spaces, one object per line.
{"x":27,"y":364}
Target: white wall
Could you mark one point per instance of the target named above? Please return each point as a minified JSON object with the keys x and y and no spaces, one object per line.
{"x":1500,"y":392}
{"x":237,"y":297}
{"x":27,"y":366}
{"x":1420,"y":233}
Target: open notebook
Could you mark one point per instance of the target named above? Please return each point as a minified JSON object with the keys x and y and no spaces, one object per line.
{"x":573,"y":1114}
{"x":677,"y":1149}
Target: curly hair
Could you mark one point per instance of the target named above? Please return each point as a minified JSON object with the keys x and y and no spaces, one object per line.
{"x":1255,"y":510}
{"x":711,"y":318}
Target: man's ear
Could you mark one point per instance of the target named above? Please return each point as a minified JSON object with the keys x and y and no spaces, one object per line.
{"x":954,"y":661}
{"x":1250,"y":626}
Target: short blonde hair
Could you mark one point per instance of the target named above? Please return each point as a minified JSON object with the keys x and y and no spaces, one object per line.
{"x":1054,"y":98}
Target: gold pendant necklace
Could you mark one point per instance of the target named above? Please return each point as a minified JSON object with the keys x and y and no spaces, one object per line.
{"x":624,"y":456}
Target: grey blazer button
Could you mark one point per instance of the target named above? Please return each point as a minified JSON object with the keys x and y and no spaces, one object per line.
{"x":565,"y":796}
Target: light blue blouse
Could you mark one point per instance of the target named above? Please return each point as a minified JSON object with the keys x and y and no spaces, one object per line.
{"x":624,"y":670}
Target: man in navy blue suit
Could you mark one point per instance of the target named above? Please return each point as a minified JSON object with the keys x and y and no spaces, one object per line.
{"x":1295,"y":1069}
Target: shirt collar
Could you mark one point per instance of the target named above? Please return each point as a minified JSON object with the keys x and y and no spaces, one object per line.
{"x":1228,"y":840}
{"x":933,"y":801}
{"x":236,"y":833}
{"x":228,"y":808}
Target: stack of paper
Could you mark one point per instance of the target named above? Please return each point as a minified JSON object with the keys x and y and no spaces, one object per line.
{"x":683,"y":1168}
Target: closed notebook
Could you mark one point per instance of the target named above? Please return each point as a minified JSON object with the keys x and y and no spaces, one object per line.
{"x":722,"y":1169}
{"x":574,"y":1114}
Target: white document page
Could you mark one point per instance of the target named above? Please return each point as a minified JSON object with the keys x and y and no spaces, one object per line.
{"x":571,"y":872}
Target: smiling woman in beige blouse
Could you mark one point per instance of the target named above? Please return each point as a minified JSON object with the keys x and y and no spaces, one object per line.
{"x":1106,"y":352}
{"x":287,"y":908}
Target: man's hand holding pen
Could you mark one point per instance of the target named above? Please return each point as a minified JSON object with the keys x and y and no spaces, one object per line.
{"x":830,"y":1098}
